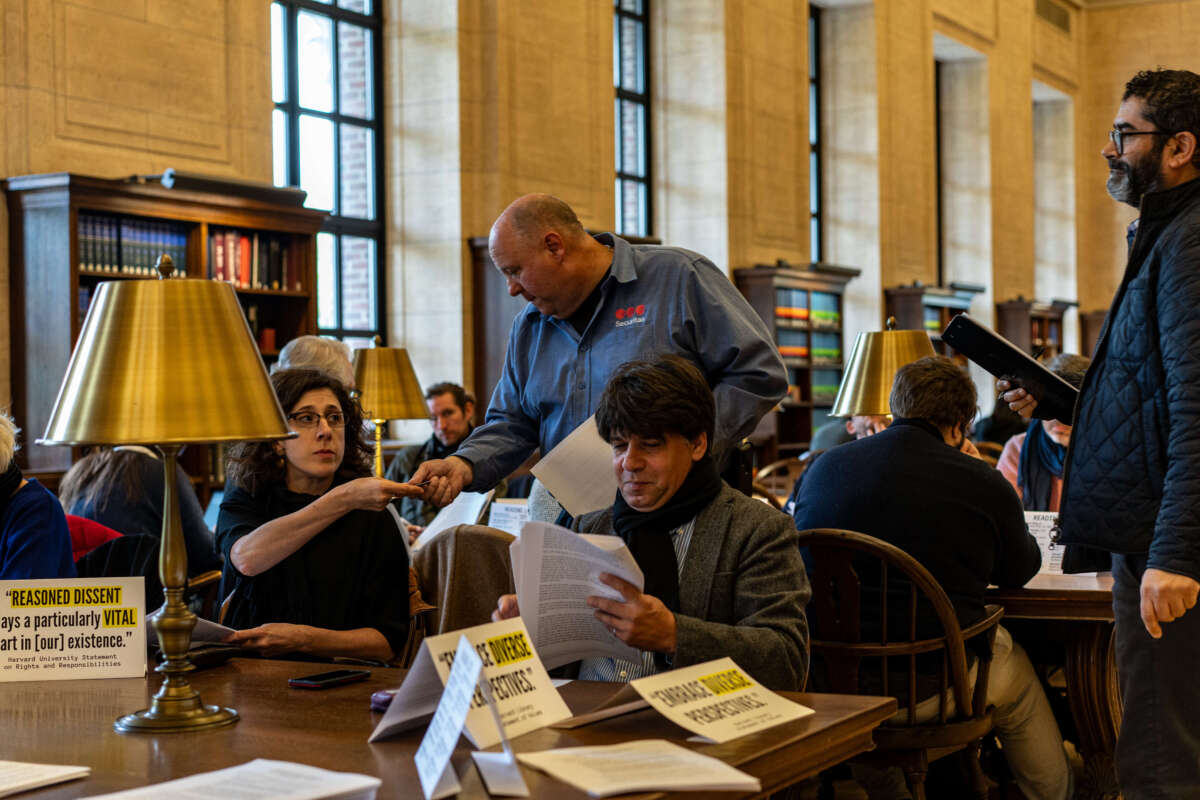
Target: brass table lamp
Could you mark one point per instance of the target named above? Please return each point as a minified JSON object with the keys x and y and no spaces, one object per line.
{"x":868,"y":376}
{"x":167,"y":363}
{"x":387,"y":389}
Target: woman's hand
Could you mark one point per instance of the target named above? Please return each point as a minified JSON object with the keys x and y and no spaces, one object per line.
{"x":274,"y":638}
{"x":373,"y":493}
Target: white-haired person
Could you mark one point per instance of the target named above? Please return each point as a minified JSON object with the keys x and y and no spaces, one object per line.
{"x":316,"y":352}
{"x":34,"y":540}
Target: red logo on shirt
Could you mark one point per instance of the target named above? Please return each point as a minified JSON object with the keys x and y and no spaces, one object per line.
{"x":632,"y":311}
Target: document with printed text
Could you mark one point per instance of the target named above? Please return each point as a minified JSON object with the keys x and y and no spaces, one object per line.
{"x":555,"y":570}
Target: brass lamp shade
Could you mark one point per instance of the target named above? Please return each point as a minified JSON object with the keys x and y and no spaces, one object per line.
{"x":387,"y":389}
{"x":867,"y":378}
{"x":165,"y":363}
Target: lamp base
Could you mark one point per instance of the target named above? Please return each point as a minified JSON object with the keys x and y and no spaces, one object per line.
{"x":172,"y":716}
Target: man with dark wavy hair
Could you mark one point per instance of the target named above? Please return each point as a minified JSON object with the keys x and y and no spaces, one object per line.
{"x":723,"y":571}
{"x":1131,"y":482}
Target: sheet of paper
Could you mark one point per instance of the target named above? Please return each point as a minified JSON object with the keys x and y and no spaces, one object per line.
{"x":578,"y":472}
{"x":508,"y":514}
{"x":17,"y":776}
{"x":555,"y":570}
{"x":644,"y":765}
{"x":260,"y":778}
{"x":525,"y":698}
{"x":466,"y":509}
{"x":1040,"y":524}
{"x":71,"y":628}
{"x":433,"y":756}
{"x":623,"y":701}
{"x":500,"y":773}
{"x":205,"y":631}
{"x":717,"y":700}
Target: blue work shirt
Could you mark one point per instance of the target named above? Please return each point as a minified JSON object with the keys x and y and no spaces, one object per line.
{"x":654,"y":300}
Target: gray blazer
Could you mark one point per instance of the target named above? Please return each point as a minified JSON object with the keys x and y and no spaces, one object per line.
{"x":742,"y":592}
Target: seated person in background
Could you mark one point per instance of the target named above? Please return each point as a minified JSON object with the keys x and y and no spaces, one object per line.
{"x":723,"y":571}
{"x":859,"y":426}
{"x":122,"y":488}
{"x":450,"y":412}
{"x":836,"y":432}
{"x":34,"y":540}
{"x":1033,"y":461}
{"x":913,"y":486}
{"x":314,"y":564}
{"x":316,"y":352}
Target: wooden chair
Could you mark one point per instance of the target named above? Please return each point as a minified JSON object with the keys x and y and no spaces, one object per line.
{"x":780,"y":476}
{"x":990,"y":451}
{"x":763,"y":492}
{"x":859,"y":653}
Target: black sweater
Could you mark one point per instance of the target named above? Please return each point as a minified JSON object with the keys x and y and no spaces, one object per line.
{"x":955,"y":514}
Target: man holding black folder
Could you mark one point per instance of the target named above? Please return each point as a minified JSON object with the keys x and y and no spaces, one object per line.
{"x":1131,"y":484}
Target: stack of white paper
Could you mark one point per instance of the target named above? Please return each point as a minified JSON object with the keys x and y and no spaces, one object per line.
{"x":646,"y":765}
{"x":509,"y":514}
{"x":16,"y":776}
{"x":467,"y":509}
{"x":555,"y":570}
{"x":261,"y":778}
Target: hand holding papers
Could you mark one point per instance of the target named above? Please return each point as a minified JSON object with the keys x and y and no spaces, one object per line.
{"x":579,"y":471}
{"x":641,"y":766}
{"x":555,"y":570}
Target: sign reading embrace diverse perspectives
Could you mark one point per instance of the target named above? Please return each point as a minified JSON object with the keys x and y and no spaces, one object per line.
{"x":68,"y":628}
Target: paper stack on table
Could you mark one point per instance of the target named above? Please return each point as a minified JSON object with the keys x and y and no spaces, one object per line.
{"x":646,"y":765}
{"x":16,"y":776}
{"x":555,"y":570}
{"x":261,"y":778}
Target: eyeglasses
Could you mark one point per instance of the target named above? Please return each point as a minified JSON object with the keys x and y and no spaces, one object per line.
{"x":1117,"y":137}
{"x":311,"y":419}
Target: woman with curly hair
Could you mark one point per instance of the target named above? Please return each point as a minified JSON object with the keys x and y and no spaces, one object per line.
{"x":315,"y":565}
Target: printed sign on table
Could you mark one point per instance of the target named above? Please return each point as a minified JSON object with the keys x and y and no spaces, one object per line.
{"x":525,"y":698}
{"x":69,"y":628}
{"x":717,"y":700}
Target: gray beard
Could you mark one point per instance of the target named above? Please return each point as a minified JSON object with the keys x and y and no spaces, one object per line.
{"x":1128,"y":184}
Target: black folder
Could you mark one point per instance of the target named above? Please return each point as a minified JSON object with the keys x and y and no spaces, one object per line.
{"x":1003,"y":359}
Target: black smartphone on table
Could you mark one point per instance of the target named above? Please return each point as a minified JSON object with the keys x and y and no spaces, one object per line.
{"x":324,"y":680}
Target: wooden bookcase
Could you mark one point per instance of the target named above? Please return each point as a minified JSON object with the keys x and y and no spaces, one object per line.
{"x":1037,"y":328}
{"x":51,"y":283}
{"x":802,"y":306}
{"x":929,"y":308}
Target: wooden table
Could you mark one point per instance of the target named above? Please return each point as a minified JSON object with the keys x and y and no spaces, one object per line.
{"x":1086,"y":602}
{"x":70,"y":722}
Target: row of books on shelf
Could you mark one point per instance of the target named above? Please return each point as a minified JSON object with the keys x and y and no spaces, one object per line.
{"x":115,"y":245}
{"x":800,"y":308}
{"x":251,"y":260}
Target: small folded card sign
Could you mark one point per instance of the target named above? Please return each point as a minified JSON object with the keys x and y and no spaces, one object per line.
{"x":717,"y":700}
{"x":68,"y":628}
{"x":500,"y":771}
{"x":525,"y":699}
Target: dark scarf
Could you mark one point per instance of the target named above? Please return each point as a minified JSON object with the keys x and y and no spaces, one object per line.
{"x":648,"y":534}
{"x":1041,"y":462}
{"x":9,"y":482}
